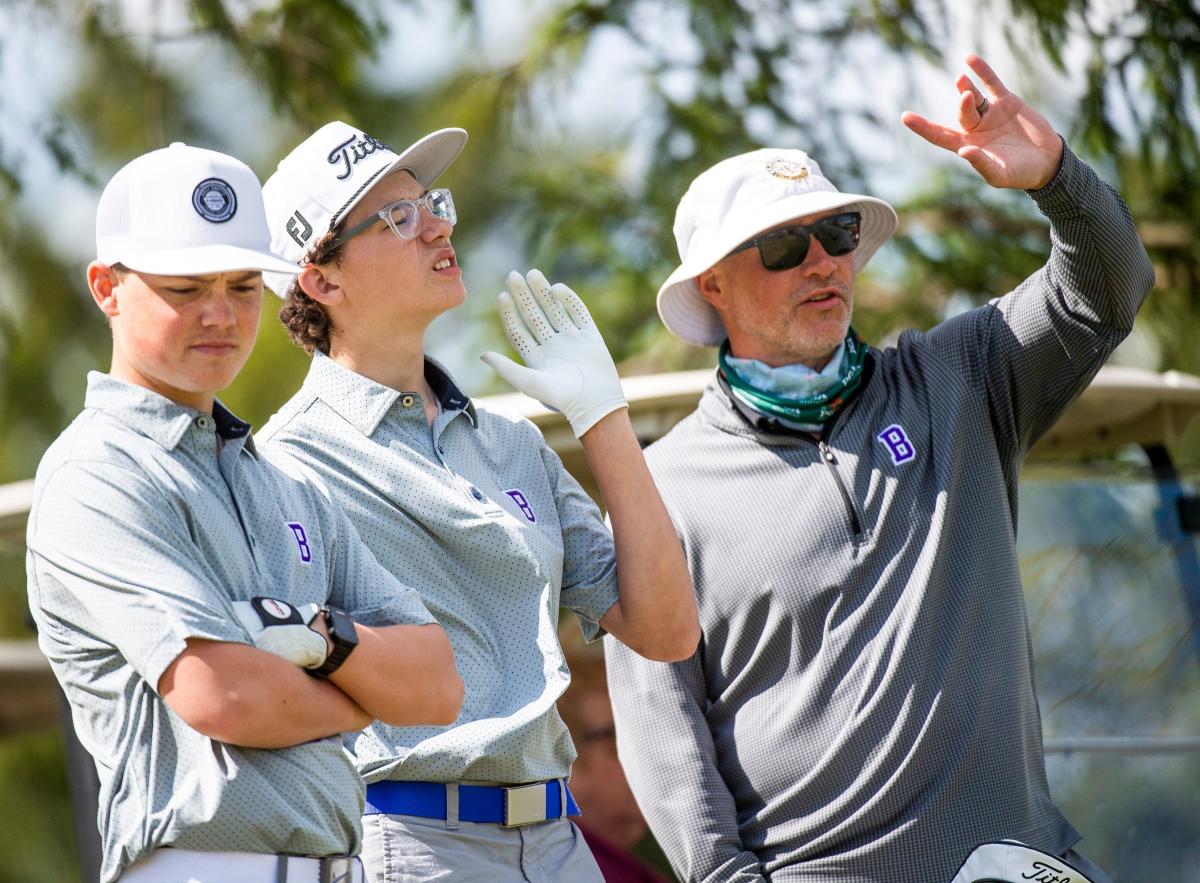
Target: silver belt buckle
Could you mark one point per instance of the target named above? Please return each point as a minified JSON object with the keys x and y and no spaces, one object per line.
{"x":524,"y":805}
{"x":337,"y":869}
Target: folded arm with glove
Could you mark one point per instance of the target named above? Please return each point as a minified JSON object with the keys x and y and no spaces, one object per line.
{"x":319,"y":639}
{"x":286,"y":631}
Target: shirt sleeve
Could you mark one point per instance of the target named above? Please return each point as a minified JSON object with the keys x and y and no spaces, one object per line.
{"x":589,"y":573}
{"x":112,"y":557}
{"x":667,"y":751}
{"x":1036,"y":348}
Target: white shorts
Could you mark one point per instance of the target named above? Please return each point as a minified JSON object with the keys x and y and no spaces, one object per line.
{"x":191,"y":866}
{"x":410,"y":849}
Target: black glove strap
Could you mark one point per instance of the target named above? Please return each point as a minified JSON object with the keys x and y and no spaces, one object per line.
{"x":342,"y":635}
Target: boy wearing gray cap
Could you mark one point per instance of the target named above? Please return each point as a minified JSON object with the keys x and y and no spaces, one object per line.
{"x":472,"y":507}
{"x":214,"y":621}
{"x":864,"y":708}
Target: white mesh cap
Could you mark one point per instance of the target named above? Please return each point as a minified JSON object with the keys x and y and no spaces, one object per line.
{"x":328,"y":174}
{"x":184,"y":211}
{"x":734,"y":201}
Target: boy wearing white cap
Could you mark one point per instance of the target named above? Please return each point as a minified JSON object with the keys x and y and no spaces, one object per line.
{"x":473,"y":508}
{"x":864,"y":707}
{"x":164,"y":552}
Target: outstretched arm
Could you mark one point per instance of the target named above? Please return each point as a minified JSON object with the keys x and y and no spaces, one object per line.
{"x":1007,"y":142}
{"x":1036,"y":348}
{"x":568,"y":367}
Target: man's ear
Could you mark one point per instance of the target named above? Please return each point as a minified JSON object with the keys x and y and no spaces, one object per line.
{"x":317,"y":283}
{"x":102,"y":282}
{"x":710,"y":288}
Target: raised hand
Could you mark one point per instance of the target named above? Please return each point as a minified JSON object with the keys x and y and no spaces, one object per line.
{"x":567,"y":366}
{"x":1008,"y":142}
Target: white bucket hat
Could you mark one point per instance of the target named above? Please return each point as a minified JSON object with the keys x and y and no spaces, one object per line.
{"x":734,"y":201}
{"x":184,"y":211}
{"x":328,"y":174}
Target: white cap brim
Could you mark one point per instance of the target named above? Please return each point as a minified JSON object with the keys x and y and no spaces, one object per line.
{"x":691,"y":318}
{"x":199,"y":261}
{"x":425,"y":159}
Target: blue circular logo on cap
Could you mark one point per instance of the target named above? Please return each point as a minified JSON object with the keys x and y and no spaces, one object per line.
{"x":214,"y":200}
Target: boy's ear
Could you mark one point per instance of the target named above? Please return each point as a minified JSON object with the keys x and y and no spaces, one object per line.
{"x":102,"y":282}
{"x":317,"y":283}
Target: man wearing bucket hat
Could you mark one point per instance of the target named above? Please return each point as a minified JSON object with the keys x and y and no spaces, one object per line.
{"x":191,"y":596}
{"x":472,"y":508}
{"x":863,"y":707}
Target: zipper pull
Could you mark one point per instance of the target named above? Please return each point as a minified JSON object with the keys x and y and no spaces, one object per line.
{"x":826,"y":452}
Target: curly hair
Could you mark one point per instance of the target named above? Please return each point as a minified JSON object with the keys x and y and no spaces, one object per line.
{"x":307,"y":322}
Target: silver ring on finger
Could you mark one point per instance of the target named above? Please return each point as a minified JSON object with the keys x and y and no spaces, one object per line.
{"x":982,"y":106}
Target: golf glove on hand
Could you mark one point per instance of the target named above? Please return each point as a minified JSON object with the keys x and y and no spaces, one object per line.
{"x":280,"y":628}
{"x":567,"y":366}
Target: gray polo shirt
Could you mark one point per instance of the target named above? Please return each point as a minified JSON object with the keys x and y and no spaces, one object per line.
{"x":481,"y":518}
{"x":140,"y":536}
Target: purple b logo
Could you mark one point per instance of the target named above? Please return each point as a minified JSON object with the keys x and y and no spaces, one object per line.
{"x":301,"y":540}
{"x":897,"y":444}
{"x":522,"y":504}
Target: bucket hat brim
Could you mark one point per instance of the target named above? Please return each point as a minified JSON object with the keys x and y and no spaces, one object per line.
{"x":691,"y":318}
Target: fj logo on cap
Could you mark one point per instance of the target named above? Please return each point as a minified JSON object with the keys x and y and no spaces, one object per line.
{"x":299,"y":229}
{"x":214,"y":200}
{"x":788,"y":168}
{"x":347,"y":154}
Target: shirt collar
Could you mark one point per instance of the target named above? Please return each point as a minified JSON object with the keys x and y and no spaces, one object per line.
{"x":156,"y":416}
{"x":449,"y":395}
{"x":725,"y":410}
{"x":363,"y":403}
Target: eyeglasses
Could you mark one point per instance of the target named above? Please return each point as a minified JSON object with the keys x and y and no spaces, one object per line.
{"x":788,"y":247}
{"x":404,"y":216}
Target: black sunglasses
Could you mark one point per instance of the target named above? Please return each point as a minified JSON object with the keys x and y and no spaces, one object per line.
{"x":787,"y":247}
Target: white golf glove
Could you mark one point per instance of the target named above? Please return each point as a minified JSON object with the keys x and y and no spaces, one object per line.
{"x":567,"y":366}
{"x":280,"y":628}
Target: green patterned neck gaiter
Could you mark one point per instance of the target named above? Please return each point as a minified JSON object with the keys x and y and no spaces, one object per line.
{"x":811,"y":409}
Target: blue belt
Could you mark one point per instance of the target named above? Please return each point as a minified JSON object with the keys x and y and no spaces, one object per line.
{"x":507,"y":806}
